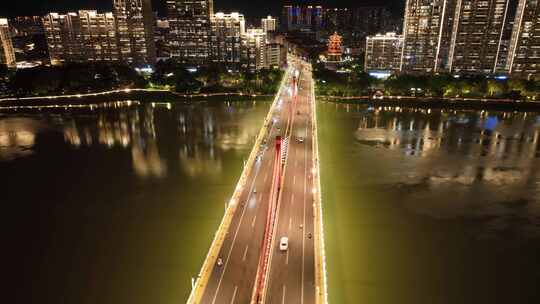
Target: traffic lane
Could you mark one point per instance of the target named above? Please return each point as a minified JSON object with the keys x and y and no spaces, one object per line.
{"x":241,"y":280}
{"x":275,"y":290}
{"x":253,"y":250}
{"x":266,"y":166}
{"x":306,"y":293}
{"x":309,"y":284}
{"x":299,"y":259}
{"x":217,"y":276}
{"x":281,"y":267}
{"x":221,"y":285}
{"x":287,"y":267}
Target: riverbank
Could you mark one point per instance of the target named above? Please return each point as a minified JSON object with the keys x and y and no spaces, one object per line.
{"x":143,"y":95}
{"x":439,"y":103}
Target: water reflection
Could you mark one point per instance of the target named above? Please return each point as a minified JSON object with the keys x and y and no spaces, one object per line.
{"x":101,"y":200}
{"x":203,"y":134}
{"x":481,"y":167}
{"x":17,"y":137}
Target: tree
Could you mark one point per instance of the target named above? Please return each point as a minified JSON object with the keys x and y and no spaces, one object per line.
{"x":495,"y":88}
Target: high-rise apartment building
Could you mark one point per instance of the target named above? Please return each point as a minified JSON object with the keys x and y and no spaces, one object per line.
{"x":124,"y":35}
{"x":62,"y":32}
{"x":383,"y":52}
{"x":372,"y":20}
{"x":269,"y":24}
{"x":477,"y":35}
{"x":135,"y":31}
{"x":298,"y":17}
{"x":190,"y":29}
{"x":524,"y":50}
{"x":98,"y":36}
{"x":255,"y":48}
{"x":427,"y":34}
{"x":276,"y":55}
{"x":7,"y":54}
{"x":227,"y":31}
{"x":338,"y":20}
{"x":81,"y":37}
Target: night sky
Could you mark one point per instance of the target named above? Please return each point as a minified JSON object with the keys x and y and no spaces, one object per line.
{"x":250,"y":8}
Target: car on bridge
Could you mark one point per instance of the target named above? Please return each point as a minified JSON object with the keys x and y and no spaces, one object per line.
{"x":284,"y":243}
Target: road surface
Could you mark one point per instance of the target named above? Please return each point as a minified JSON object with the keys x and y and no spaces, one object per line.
{"x":291,"y":274}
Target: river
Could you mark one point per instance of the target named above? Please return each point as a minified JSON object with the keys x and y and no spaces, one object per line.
{"x":117,"y":203}
{"x":430,"y":206}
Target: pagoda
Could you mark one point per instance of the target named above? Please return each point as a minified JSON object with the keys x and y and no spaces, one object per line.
{"x":334,"y":48}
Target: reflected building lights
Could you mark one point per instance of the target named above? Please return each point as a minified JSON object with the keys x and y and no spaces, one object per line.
{"x":17,"y":137}
{"x":482,"y":166}
{"x":204,"y":134}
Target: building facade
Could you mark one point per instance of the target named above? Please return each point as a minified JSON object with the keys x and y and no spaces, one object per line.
{"x":524,"y":50}
{"x":477,"y":36}
{"x":99,"y":41}
{"x":276,"y":55}
{"x":190,"y":30}
{"x":383,"y":52}
{"x":7,"y":54}
{"x":426,"y":35}
{"x":135,"y":31}
{"x":227,"y":32}
{"x":62,"y":32}
{"x":124,"y":35}
{"x":269,"y":24}
{"x":300,"y":17}
{"x":255,"y":49}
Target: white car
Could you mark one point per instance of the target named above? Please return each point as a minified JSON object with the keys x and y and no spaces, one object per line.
{"x":284,"y":243}
{"x":300,"y":140}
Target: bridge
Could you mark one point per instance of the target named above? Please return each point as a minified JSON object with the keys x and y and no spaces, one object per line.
{"x":277,"y":196}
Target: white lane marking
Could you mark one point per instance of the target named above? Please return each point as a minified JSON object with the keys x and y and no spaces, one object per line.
{"x":253,"y":222}
{"x":245,"y":253}
{"x":283,"y":298}
{"x":294,"y":180}
{"x":292,"y":198}
{"x":290,"y":223}
{"x":287,"y":258}
{"x":234,"y":294}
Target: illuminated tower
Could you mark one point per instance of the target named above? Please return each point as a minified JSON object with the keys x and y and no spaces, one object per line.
{"x":334,"y":48}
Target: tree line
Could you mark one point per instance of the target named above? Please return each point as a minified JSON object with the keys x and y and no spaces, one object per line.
{"x":355,"y":82}
{"x":81,"y":78}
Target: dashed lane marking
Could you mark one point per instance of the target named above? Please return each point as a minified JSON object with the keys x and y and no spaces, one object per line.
{"x":245,"y":253}
{"x":234,"y":294}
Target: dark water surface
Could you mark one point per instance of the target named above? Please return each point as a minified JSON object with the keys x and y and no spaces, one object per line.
{"x":430,"y":206}
{"x":118,"y":204}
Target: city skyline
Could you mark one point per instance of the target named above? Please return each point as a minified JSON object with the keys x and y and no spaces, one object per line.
{"x":251,"y":8}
